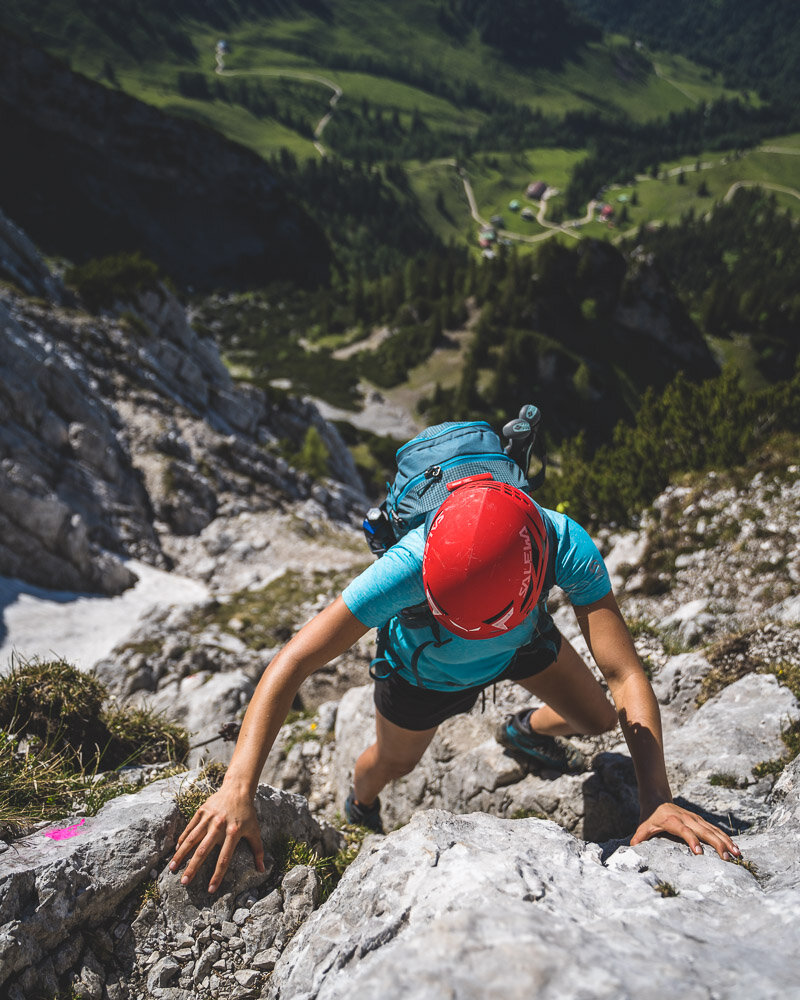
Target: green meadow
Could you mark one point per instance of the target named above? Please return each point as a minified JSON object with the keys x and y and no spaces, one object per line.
{"x":398,"y":60}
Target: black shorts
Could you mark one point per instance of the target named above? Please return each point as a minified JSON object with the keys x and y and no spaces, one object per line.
{"x":418,"y":708}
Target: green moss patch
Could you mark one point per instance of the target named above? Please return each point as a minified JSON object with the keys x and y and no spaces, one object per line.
{"x":270,"y":616}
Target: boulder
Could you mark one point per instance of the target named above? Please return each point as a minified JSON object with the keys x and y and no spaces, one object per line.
{"x":97,"y":912}
{"x":51,"y":888}
{"x":475,"y":905}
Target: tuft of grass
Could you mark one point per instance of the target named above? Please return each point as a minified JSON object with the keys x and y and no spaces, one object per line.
{"x":747,"y":865}
{"x":641,"y":627}
{"x":290,"y":853}
{"x":52,"y":701}
{"x":190,"y":798}
{"x":61,"y":751}
{"x":301,"y":735}
{"x":144,"y":735}
{"x":724,"y":780}
{"x":731,"y":659}
{"x":665,"y":889}
{"x":528,"y":814}
{"x":149,"y":893}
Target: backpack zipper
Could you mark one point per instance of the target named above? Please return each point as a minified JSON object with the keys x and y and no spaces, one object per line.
{"x":427,"y":478}
{"x":432,"y":475}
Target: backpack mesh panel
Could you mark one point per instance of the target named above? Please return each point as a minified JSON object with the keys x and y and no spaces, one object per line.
{"x":413,"y":508}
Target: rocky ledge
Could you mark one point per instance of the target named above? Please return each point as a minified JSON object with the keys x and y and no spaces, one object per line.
{"x":122,"y":435}
{"x":447,"y":906}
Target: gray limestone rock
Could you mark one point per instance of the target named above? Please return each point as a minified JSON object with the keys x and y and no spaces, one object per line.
{"x":677,"y":683}
{"x":734,"y":730}
{"x":465,"y":770}
{"x":463,"y":906}
{"x":49,"y":889}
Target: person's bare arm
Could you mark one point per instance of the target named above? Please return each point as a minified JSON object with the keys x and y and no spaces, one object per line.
{"x":612,"y":647}
{"x":228,"y":815}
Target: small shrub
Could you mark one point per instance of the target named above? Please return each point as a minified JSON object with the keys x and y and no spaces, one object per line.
{"x":314,"y":456}
{"x":103,"y":281}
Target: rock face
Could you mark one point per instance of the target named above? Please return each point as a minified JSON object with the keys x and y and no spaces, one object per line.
{"x":719,"y":557}
{"x":120,"y":436}
{"x":470,"y":906}
{"x":99,"y":913}
{"x":68,"y":492}
{"x":480,"y":892}
{"x":125,"y":176}
{"x":21,"y":264}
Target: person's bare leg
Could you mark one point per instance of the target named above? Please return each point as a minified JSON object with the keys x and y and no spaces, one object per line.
{"x":575,"y":703}
{"x":395,"y":752}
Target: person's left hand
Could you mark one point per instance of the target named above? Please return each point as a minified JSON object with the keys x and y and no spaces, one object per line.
{"x":674,"y":820}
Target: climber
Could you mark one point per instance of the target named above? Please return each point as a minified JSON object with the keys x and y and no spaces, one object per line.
{"x":460,"y":606}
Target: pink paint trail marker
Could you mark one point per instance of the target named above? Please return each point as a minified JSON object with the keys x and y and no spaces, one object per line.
{"x":66,"y":831}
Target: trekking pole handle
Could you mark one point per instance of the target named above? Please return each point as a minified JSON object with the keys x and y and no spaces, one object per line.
{"x":531,"y":413}
{"x":521,"y":435}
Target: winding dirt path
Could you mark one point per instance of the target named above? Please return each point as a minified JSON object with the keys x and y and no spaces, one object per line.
{"x":763,"y":184}
{"x":291,"y":75}
{"x":568,"y":227}
{"x":552,"y":227}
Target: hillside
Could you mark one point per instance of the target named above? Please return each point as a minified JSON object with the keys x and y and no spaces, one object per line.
{"x":339,"y":81}
{"x":129,"y":437}
{"x":755,"y":47}
{"x":92,"y":171}
{"x":372,"y":167}
{"x":477,"y":834}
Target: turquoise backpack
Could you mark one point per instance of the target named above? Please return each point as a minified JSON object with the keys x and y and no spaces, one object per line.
{"x":443,"y":454}
{"x":426,"y":464}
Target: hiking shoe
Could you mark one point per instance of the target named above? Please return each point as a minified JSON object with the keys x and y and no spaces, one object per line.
{"x":555,"y":752}
{"x":368,"y":816}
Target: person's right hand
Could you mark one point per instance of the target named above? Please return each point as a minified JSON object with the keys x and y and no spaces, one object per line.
{"x":224,"y":818}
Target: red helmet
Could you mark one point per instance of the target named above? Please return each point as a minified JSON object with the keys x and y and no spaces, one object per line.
{"x":485,"y":558}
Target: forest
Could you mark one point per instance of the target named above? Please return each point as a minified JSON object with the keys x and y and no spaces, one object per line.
{"x":755,"y":46}
{"x":544,"y":324}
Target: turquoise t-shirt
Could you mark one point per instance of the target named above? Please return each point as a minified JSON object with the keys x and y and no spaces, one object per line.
{"x":394,"y":582}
